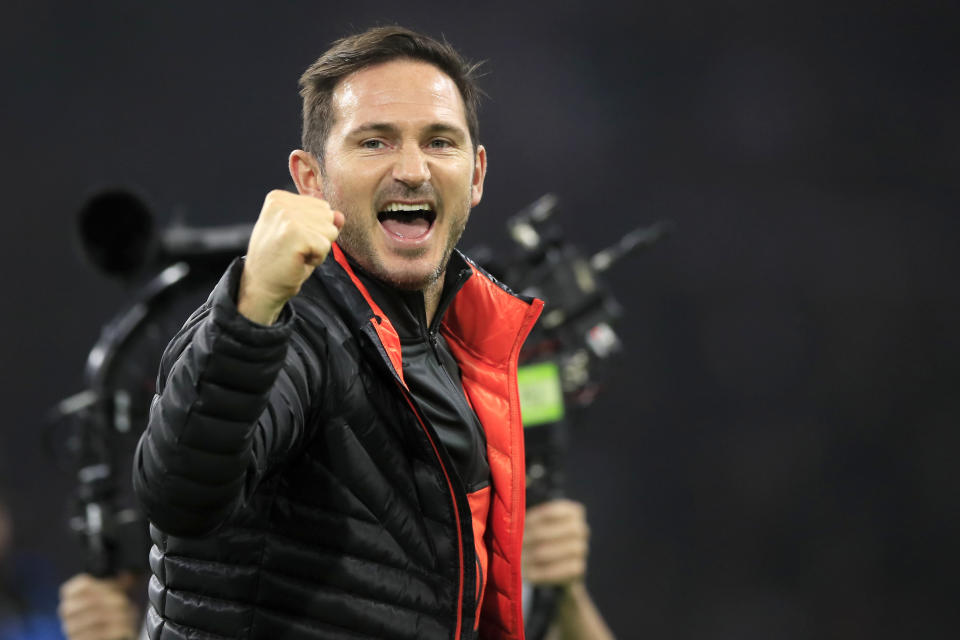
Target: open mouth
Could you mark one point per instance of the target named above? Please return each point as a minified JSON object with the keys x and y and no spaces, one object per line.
{"x":407,"y":221}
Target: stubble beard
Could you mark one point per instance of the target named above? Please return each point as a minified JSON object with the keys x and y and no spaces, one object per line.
{"x":356,"y":241}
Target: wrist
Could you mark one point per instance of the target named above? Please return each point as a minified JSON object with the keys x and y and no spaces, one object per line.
{"x":256,"y":305}
{"x":574,"y":589}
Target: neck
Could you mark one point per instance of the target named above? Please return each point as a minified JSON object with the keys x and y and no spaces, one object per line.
{"x":431,"y":298}
{"x":405,"y":303}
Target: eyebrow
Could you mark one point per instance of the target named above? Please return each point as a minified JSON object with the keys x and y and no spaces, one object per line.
{"x":385,"y":128}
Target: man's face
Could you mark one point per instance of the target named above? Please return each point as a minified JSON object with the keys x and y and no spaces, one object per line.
{"x":400,"y":165}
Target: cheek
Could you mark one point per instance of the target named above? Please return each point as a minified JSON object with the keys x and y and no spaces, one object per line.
{"x":454,"y":180}
{"x":343,"y":193}
{"x":361,"y":186}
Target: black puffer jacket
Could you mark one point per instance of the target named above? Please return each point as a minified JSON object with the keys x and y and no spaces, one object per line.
{"x":295,"y":492}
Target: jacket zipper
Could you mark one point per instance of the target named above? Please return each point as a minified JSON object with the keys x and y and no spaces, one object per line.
{"x":435,"y":348}
{"x":456,"y":510}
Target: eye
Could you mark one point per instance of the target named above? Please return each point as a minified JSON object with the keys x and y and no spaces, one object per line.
{"x":440,"y":143}
{"x":372,"y":144}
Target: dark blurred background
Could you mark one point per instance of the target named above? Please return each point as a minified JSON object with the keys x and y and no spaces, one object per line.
{"x":774,"y":456}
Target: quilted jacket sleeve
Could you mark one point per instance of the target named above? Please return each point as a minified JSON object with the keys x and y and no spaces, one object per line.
{"x":231,"y":402}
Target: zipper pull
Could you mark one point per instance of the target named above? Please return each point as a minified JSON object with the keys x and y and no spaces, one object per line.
{"x":434,"y":345}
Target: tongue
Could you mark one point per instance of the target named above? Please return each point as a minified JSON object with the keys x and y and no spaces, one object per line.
{"x":412,"y":229}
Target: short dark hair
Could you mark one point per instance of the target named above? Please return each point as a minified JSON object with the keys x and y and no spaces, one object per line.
{"x":375,"y":46}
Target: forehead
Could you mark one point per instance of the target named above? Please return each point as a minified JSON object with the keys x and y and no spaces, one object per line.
{"x":397,"y":91}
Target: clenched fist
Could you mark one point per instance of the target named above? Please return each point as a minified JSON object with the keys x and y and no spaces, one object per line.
{"x":291,"y":237}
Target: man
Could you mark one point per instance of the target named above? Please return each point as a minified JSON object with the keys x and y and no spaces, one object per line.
{"x":335,"y":450}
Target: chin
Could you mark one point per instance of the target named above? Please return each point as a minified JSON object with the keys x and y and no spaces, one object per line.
{"x":411,"y":270}
{"x":411,"y":279}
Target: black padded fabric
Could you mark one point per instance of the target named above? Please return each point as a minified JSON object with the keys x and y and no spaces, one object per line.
{"x":431,"y":372}
{"x":266,"y":525}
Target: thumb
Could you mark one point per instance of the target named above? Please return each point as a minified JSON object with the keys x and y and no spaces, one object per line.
{"x":338,"y":220}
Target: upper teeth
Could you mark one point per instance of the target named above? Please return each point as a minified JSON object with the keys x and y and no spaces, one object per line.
{"x":399,"y":206}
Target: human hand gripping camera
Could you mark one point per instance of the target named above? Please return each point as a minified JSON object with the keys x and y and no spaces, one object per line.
{"x":555,"y":549}
{"x":99,"y":608}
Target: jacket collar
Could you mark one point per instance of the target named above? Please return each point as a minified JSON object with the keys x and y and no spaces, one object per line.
{"x":406,"y":309}
{"x":482,"y":314}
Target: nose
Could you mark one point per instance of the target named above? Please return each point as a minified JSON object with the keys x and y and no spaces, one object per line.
{"x":411,"y":166}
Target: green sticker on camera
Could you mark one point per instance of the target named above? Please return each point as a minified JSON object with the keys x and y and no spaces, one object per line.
{"x":541,"y":396}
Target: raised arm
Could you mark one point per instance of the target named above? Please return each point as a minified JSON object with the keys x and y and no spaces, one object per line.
{"x":231,"y":394}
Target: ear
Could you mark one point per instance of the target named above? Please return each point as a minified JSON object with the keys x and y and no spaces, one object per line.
{"x":479,"y":173}
{"x":305,"y":171}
